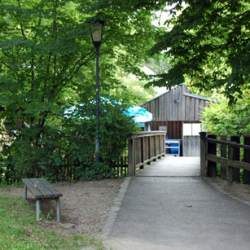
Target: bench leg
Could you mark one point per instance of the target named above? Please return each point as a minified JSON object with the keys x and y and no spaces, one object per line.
{"x":38,"y":209}
{"x":58,"y":210}
{"x":25,"y":192}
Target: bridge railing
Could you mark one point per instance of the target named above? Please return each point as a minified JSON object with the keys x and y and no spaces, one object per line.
{"x":144,"y":147}
{"x":233,"y":157}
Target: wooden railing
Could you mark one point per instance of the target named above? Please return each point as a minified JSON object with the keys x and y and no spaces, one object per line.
{"x":144,"y":147}
{"x":230,"y":158}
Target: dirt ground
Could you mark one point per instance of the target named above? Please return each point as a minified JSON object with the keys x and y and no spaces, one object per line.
{"x":237,"y":190}
{"x":84,"y":205}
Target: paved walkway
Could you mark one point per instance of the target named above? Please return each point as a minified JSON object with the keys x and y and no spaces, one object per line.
{"x":178,"y":213}
{"x":172,"y":166}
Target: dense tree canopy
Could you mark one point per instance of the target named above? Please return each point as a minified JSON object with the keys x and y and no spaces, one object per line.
{"x":47,"y":63}
{"x":209,"y":45}
{"x":46,"y":54}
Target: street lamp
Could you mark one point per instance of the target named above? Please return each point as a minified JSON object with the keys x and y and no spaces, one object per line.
{"x":96,"y":32}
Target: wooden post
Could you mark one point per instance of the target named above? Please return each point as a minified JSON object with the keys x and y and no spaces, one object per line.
{"x":246,"y":174}
{"x":142,"y":153}
{"x":163,"y":145}
{"x":230,"y":169}
{"x":131,"y":155}
{"x":223,"y":150}
{"x":159,"y":146}
{"x":58,"y":210}
{"x":25,"y":192}
{"x":234,"y":154}
{"x":154,"y":148}
{"x":38,"y":209}
{"x":203,"y":151}
{"x":149,"y":150}
{"x":211,"y":166}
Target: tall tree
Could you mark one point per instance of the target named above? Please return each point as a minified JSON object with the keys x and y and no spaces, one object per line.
{"x":47,"y":58}
{"x":47,"y":63}
{"x":209,"y":45}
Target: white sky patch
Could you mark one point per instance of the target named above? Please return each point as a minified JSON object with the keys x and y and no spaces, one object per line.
{"x":162,"y":17}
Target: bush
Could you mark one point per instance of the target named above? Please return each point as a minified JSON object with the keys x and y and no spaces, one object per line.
{"x":69,"y":152}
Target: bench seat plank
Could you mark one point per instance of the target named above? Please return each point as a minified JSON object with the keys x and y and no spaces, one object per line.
{"x":42,"y":188}
{"x":32,"y":188}
{"x":51,"y":188}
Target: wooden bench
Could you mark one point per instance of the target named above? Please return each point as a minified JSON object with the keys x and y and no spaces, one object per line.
{"x":42,"y":189}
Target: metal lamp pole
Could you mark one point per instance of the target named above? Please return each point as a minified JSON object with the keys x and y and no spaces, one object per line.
{"x":97,"y":143}
{"x":96,"y":32}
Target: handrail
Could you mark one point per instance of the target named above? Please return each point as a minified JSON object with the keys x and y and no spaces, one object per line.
{"x":144,"y":147}
{"x":232,"y":144}
{"x":145,"y":134}
{"x":229,"y":157}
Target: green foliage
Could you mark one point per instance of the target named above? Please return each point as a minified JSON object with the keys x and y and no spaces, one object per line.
{"x":114,"y":128}
{"x":136,"y":92}
{"x":47,"y":63}
{"x":71,"y":145}
{"x":160,"y":63}
{"x":222,"y":118}
{"x":22,"y":232}
{"x":208,"y":44}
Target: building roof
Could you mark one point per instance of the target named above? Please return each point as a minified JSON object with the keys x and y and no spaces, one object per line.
{"x":185,"y":92}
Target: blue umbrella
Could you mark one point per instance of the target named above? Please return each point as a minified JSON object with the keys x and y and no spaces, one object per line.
{"x":139,"y":114}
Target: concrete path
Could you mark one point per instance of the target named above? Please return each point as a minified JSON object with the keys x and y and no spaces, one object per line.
{"x":172,"y":166}
{"x":178,"y":213}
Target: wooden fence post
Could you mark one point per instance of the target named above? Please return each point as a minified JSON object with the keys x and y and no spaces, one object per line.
{"x":203,"y":151}
{"x":223,"y":150}
{"x":159,"y":151}
{"x":142,"y":153}
{"x":163,"y":145}
{"x":246,"y":174}
{"x":149,"y":150}
{"x":154,"y":148}
{"x":234,"y":154}
{"x":131,"y":155}
{"x":211,"y":166}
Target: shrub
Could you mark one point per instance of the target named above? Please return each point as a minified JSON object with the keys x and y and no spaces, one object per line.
{"x":69,"y":152}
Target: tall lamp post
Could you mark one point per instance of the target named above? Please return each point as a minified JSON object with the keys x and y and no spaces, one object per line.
{"x":96,"y":32}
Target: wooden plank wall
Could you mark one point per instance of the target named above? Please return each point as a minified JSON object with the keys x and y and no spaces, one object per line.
{"x":193,"y":108}
{"x":174,"y":129}
{"x":191,"y":146}
{"x":167,"y":107}
{"x":174,"y":106}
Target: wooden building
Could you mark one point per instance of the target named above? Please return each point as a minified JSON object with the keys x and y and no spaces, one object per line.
{"x":178,"y":113}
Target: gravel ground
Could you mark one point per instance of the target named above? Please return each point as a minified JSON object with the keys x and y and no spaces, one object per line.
{"x":237,"y":190}
{"x":84,"y":205}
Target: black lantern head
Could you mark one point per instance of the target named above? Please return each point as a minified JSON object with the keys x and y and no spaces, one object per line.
{"x":96,"y":32}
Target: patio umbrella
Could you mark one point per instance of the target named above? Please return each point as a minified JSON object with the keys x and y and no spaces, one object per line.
{"x":139,"y":114}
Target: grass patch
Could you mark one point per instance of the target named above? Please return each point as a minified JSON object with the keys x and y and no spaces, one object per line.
{"x":20,"y":231}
